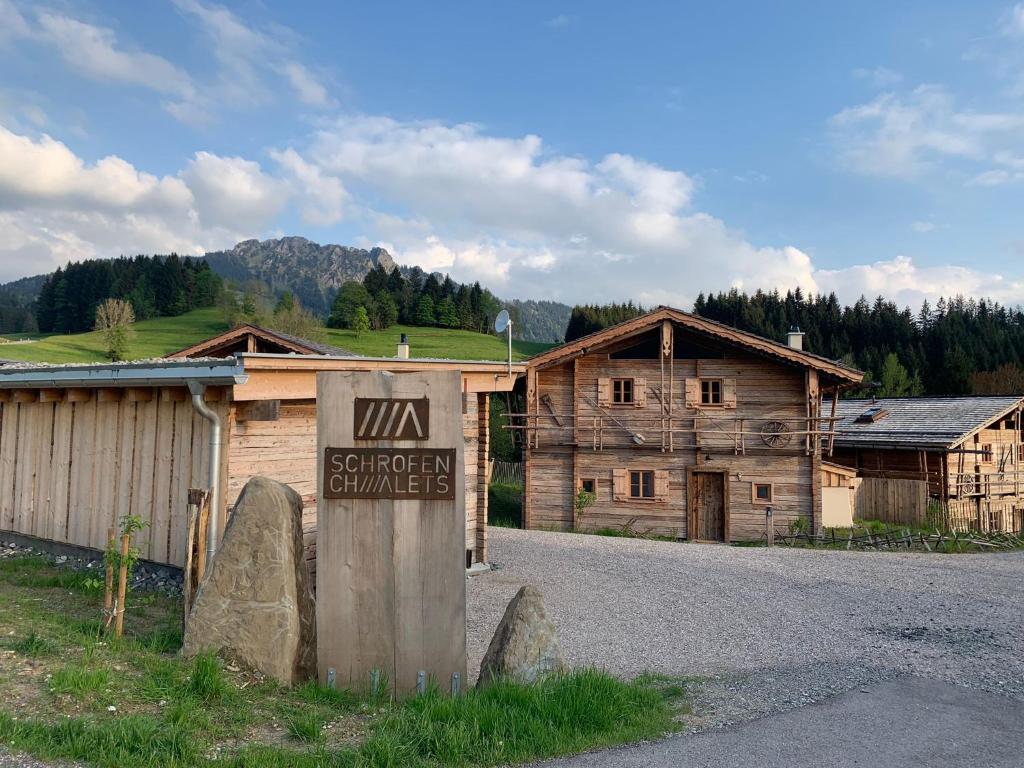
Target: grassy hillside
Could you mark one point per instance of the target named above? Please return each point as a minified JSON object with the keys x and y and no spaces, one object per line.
{"x":157,"y":337}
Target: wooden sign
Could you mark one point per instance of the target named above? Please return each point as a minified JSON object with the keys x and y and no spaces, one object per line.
{"x":389,"y":418}
{"x":389,"y":473}
{"x":391,"y":530}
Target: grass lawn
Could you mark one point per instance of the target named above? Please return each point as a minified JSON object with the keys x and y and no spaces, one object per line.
{"x":159,"y":336}
{"x":70,"y":692}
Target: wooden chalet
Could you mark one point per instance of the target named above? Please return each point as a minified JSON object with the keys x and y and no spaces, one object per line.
{"x":679,"y":426}
{"x":83,"y":445}
{"x":254,"y":338}
{"x":964,"y":453}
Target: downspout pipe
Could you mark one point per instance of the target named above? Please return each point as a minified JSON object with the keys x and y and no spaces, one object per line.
{"x":197,"y":389}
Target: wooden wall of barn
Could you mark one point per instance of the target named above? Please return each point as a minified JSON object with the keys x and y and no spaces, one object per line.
{"x":565,"y":454}
{"x":73,"y":462}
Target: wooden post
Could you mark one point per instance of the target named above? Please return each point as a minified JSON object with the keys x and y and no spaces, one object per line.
{"x":108,"y":590}
{"x":122,"y":585}
{"x":391,"y":579}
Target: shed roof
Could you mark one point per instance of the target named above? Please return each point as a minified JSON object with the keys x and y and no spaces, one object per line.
{"x":749,"y":341}
{"x":139,"y":373}
{"x":223,"y":344}
{"x":918,"y":422}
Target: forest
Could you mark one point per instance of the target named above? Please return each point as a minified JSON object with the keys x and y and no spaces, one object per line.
{"x":959,"y":346}
{"x":156,"y":286}
{"x":384,"y":298}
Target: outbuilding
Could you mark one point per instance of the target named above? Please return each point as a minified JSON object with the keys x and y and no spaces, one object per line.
{"x":83,"y":445}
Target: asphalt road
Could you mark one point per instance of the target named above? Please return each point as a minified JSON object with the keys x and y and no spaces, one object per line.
{"x":911,"y":722}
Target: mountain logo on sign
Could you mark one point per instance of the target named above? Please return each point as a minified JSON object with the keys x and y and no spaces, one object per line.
{"x":391,"y":418}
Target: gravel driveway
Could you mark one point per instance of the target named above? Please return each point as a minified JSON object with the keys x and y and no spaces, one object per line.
{"x":773,"y":629}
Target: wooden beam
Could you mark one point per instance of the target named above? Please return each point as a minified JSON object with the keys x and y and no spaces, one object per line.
{"x":5,"y":395}
{"x":140,"y":394}
{"x":109,"y":395}
{"x":51,"y":395}
{"x":258,"y":410}
{"x":79,"y":395}
{"x":26,"y":395}
{"x":173,"y":394}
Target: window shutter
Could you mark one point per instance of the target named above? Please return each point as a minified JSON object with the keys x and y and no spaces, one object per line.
{"x":620,"y":484}
{"x":639,"y":393}
{"x":661,"y":484}
{"x":692,"y":393}
{"x":729,"y":393}
{"x":604,"y":392}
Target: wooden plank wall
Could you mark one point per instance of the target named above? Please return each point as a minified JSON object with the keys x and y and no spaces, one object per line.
{"x":892,"y":500}
{"x":71,"y":467}
{"x":285,"y":450}
{"x":765,"y":391}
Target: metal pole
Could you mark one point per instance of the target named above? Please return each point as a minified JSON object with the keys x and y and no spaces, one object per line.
{"x":509,"y":349}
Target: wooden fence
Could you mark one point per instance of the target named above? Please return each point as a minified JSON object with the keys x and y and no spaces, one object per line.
{"x":906,"y":502}
{"x":892,"y":501}
{"x":506,"y":472}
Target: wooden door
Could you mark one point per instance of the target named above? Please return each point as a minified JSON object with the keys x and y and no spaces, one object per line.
{"x":709,"y":503}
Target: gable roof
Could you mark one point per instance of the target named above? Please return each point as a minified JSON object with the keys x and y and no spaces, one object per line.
{"x":918,"y":422}
{"x":285,"y":342}
{"x":710,"y":328}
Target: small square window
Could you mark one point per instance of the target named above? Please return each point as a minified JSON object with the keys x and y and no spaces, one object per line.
{"x":711,"y":391}
{"x":588,"y":485}
{"x":986,"y":453}
{"x":762,"y":493}
{"x":622,"y":391}
{"x":641,"y":484}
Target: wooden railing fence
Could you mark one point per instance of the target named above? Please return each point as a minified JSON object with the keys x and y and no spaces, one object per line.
{"x":505,"y":472}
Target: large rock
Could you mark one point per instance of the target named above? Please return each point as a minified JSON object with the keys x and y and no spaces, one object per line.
{"x":525,"y":646}
{"x":255,"y":606}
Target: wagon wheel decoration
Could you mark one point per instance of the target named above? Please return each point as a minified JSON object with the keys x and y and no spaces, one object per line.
{"x":775,"y":434}
{"x":966,"y":484}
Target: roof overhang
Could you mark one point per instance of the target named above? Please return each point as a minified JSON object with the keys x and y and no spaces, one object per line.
{"x":293,"y":377}
{"x":843,"y":375}
{"x":227,"y":372}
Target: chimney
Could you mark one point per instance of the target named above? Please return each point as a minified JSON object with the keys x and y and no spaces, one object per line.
{"x":403,"y":347}
{"x":795,"y":338}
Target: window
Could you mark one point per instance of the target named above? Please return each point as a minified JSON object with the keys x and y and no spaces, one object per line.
{"x":641,"y":484}
{"x":762,"y":493}
{"x":710,"y":391}
{"x":1020,"y":453}
{"x":622,"y":391}
{"x":986,"y":453}
{"x":588,"y":485}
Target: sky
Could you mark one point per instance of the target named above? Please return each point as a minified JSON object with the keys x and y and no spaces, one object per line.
{"x":580,"y":152}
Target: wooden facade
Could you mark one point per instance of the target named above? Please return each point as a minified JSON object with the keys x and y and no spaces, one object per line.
{"x":679,"y":427}
{"x":74,"y":460}
{"x":966,"y":454}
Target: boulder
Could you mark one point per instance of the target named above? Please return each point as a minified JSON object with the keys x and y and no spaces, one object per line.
{"x":255,"y":606}
{"x":524,"y":647}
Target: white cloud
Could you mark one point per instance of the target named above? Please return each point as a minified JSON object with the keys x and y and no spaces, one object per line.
{"x":250,"y":64}
{"x":248,"y":56}
{"x":559,"y":21}
{"x":922,"y":227}
{"x":94,"y":51}
{"x":54,"y":206}
{"x":233,"y":192}
{"x":322,"y":198}
{"x":1014,"y":21}
{"x":878,"y":77}
{"x":12,"y":23}
{"x":903,"y":136}
{"x":908,"y":284}
{"x":995,"y":178}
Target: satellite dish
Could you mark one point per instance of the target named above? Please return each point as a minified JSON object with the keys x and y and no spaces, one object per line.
{"x":501,"y":322}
